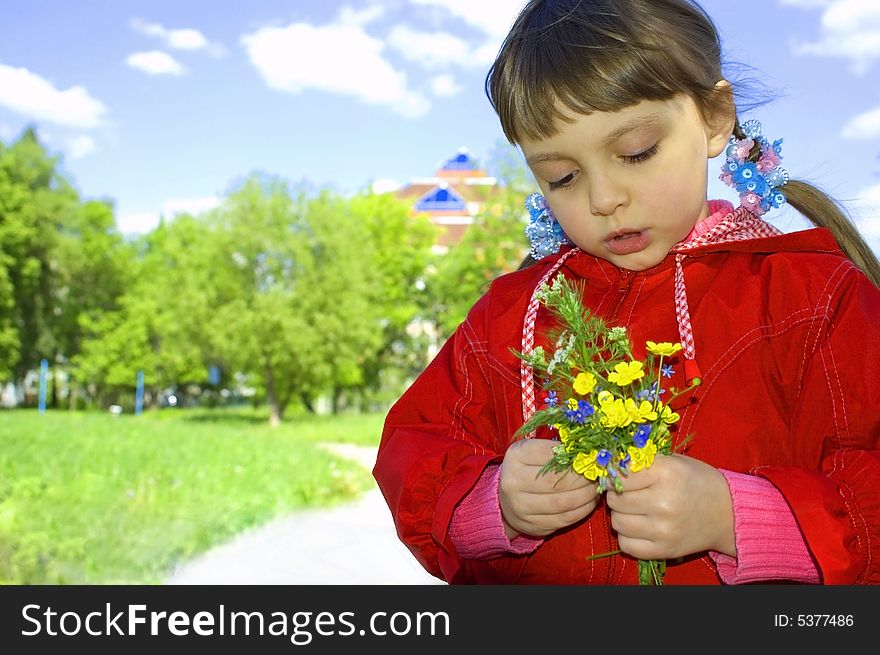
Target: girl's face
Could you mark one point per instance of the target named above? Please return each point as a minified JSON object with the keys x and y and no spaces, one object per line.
{"x":628,"y":185}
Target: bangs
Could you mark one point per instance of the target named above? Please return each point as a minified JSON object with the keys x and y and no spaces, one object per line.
{"x":555,"y":60}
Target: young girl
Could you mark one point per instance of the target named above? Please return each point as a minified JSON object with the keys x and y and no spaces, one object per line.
{"x":617,"y":105}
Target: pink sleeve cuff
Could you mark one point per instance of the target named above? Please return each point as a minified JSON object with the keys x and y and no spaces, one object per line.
{"x":477,"y":529}
{"x":769,"y":543}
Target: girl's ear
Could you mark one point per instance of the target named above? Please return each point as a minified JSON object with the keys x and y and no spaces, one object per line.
{"x":721,"y":119}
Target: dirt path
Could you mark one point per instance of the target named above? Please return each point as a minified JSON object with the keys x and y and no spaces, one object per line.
{"x":353,"y":543}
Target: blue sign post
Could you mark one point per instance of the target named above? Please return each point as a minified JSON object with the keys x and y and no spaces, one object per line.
{"x":139,"y":394}
{"x":44,"y":375}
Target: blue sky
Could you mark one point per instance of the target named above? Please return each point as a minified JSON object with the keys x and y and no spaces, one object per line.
{"x":161,"y":106}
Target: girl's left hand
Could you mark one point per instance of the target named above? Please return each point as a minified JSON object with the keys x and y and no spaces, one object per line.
{"x":675,"y":507}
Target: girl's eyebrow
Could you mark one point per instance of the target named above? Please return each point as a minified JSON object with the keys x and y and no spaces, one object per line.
{"x":648,"y":120}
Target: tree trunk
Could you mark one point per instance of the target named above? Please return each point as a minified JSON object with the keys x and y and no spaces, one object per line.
{"x":72,"y":393}
{"x":275,"y":409}
{"x":54,"y":372}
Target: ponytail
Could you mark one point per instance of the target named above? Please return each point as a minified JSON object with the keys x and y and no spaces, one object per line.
{"x":819,"y":208}
{"x":822,"y":211}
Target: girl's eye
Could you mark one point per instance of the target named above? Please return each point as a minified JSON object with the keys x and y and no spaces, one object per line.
{"x":563,"y":183}
{"x":645,"y":155}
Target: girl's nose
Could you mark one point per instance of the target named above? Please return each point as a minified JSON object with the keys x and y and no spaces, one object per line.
{"x":606,"y":194}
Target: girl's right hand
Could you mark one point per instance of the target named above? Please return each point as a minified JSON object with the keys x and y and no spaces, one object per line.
{"x":536,"y":504}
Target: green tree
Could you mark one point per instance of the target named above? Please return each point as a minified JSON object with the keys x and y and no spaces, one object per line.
{"x":402,"y":254}
{"x":161,"y":323}
{"x":35,"y":199}
{"x":90,"y":273}
{"x":292,"y":294}
{"x":493,"y":245}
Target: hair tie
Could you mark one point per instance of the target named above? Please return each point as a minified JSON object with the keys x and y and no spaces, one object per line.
{"x":757,"y":181}
{"x":543,"y":231}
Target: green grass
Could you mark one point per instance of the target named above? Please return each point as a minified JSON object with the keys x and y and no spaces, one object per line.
{"x":89,"y":498}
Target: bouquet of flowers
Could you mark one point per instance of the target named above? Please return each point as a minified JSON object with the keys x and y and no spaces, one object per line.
{"x":605,"y":404}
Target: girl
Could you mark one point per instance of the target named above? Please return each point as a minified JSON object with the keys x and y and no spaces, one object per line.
{"x":616,"y":106}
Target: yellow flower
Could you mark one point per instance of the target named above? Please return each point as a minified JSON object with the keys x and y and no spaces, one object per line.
{"x":572,"y":403}
{"x":626,"y":372}
{"x":640,"y":413}
{"x":564,"y":433}
{"x":605,"y":397}
{"x":668,"y":416}
{"x":664,"y":349}
{"x":642,"y":458}
{"x":614,"y":414}
{"x":584,"y":383}
{"x":661,"y":436}
{"x":585,"y":464}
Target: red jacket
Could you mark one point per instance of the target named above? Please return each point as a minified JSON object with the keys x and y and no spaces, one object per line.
{"x":787,"y":336}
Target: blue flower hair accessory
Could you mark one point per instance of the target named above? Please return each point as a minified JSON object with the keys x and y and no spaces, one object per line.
{"x":756,"y":180}
{"x":543,"y":231}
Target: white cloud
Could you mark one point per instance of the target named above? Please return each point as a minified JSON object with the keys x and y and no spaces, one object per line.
{"x":806,"y":4}
{"x":178,"y":39}
{"x":337,"y":58}
{"x":491,"y":17}
{"x":385,"y":185}
{"x":192,"y":206}
{"x":80,"y":146}
{"x":155,"y":62}
{"x":430,"y":49}
{"x":140,"y":222}
{"x":863,"y":126}
{"x":29,"y":94}
{"x":360,"y":17}
{"x":850,"y":29}
{"x":445,"y":86}
{"x":137,"y":222}
{"x":866,"y":212}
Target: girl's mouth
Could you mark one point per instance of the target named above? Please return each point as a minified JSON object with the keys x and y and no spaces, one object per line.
{"x":628,"y":242}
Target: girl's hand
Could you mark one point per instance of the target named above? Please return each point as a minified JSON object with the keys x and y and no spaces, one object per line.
{"x":675,"y":507}
{"x":538,"y":505}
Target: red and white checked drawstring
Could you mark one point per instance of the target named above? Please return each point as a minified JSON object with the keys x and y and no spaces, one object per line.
{"x":526,"y":372}
{"x":685,"y":331}
{"x":739,"y":225}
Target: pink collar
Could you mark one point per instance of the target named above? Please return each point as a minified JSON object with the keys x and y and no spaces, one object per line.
{"x":718,"y":211}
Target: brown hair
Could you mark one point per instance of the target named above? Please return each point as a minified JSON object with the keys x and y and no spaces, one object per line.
{"x":605,"y":55}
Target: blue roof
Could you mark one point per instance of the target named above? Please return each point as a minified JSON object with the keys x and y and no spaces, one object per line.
{"x":460,"y":162}
{"x":441,"y":199}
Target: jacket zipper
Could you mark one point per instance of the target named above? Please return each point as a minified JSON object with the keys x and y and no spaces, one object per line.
{"x":624,"y":284}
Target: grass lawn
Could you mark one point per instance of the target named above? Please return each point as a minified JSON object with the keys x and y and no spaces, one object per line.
{"x":90,"y":498}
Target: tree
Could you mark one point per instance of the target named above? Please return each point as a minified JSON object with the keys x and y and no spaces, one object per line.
{"x":90,"y":272}
{"x":493,"y":245}
{"x":402,"y":248}
{"x":291,"y":292}
{"x":34,"y":200}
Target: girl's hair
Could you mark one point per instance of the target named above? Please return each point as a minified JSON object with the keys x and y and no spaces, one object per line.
{"x":605,"y":55}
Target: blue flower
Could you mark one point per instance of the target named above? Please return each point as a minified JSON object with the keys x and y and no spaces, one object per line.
{"x":624,"y":463}
{"x":580,"y":415}
{"x":745,"y":172}
{"x":543,"y":231}
{"x":603,"y":457}
{"x":551,"y":400}
{"x":650,"y":394}
{"x":641,"y":435}
{"x":667,"y":371}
